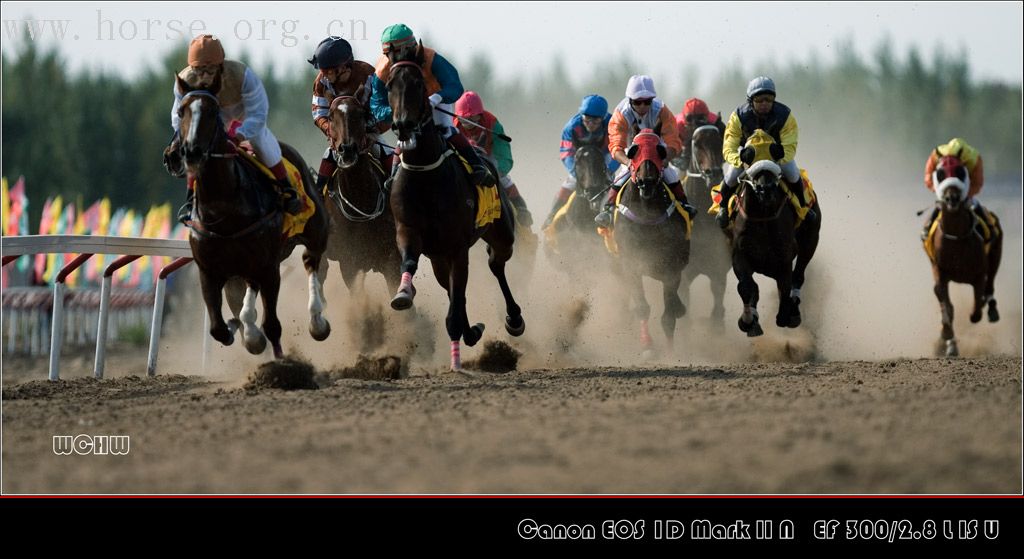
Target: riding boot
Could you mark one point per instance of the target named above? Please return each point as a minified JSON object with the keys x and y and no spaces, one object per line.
{"x":327,"y":169}
{"x":722,"y":218}
{"x":523,"y":215}
{"x":560,"y":200}
{"x":928,"y":223}
{"x":290,"y":197}
{"x":185,"y":213}
{"x":481,"y":175}
{"x":680,"y":194}
{"x":604,"y":219}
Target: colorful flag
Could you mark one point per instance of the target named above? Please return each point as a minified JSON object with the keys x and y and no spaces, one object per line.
{"x":100,"y":261}
{"x":18,"y":224}
{"x":54,"y":226}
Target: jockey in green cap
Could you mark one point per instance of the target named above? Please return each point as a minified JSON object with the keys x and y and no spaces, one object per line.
{"x":443,"y":88}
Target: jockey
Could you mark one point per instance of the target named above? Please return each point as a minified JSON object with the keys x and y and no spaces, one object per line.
{"x":695,"y":114}
{"x":974,"y":181}
{"x":760,"y":112}
{"x":242,"y":98}
{"x":641,"y":109}
{"x":340,"y":75}
{"x":588,"y":127}
{"x":443,"y":87}
{"x":477,"y":124}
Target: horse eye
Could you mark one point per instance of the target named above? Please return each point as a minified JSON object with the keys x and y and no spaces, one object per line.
{"x":960,"y":173}
{"x":941,"y":174}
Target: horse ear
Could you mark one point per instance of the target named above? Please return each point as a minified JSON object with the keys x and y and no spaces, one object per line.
{"x":419,"y":52}
{"x":631,"y":151}
{"x":747,"y":155}
{"x":662,"y":152}
{"x":183,"y":86}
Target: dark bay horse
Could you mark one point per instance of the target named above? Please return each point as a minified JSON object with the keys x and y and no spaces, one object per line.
{"x":362,"y":228}
{"x":709,"y":249}
{"x":435,"y":208}
{"x":765,"y":241}
{"x":651,"y":235}
{"x":236,"y":235}
{"x":576,"y":231}
{"x":959,"y":252}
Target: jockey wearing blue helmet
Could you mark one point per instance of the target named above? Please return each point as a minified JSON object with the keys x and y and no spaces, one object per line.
{"x":589,"y":126}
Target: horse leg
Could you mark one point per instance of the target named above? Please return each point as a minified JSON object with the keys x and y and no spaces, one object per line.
{"x":410,"y":245}
{"x":496,"y":259}
{"x":255,"y":341}
{"x":717,"y":282}
{"x":789,"y":314}
{"x":806,"y":243}
{"x":234,"y":292}
{"x":995,"y":255}
{"x":213,"y":298}
{"x":674,"y":307}
{"x":641,"y":310}
{"x":942,"y":293}
{"x":270,"y":286}
{"x":459,"y":279}
{"x":689,"y":274}
{"x":319,"y":328}
{"x":748,"y":291}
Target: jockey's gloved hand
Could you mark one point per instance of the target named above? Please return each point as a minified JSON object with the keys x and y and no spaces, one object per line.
{"x":435,"y":99}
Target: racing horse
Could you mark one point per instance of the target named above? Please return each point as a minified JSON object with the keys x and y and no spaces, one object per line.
{"x":362,"y":230}
{"x":652,"y":236}
{"x":573,"y":227}
{"x":766,"y":239}
{"x":959,"y":251}
{"x":709,"y":249}
{"x":435,"y":207}
{"x":236,"y":229}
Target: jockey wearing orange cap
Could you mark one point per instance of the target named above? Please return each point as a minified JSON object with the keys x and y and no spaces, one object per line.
{"x":242,"y":98}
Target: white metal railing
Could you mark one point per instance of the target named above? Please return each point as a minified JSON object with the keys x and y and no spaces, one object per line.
{"x":129,"y":248}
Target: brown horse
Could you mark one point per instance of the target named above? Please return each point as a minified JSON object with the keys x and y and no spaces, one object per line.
{"x":961,"y":255}
{"x":709,"y":249}
{"x":236,"y":228}
{"x":435,"y":207}
{"x":572,"y":242}
{"x":765,"y":240}
{"x":652,"y":236}
{"x":362,"y":225}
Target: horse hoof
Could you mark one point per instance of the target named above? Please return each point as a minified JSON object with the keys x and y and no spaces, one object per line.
{"x":993,"y":313}
{"x":648,"y":355}
{"x":794,"y":321}
{"x":951,"y":349}
{"x":515,"y":330}
{"x":234,"y":325}
{"x":473,"y":334}
{"x":320,"y":332}
{"x":755,"y":330}
{"x":255,"y":343}
{"x":402,"y":301}
{"x":278,"y":352}
{"x":976,"y":317}
{"x":781,"y":320}
{"x":682,"y":311}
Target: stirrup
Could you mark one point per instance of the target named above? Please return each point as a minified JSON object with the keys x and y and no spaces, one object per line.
{"x":482,"y":176}
{"x":604,"y":218}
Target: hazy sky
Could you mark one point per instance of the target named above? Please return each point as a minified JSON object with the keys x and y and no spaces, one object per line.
{"x":521,"y":36}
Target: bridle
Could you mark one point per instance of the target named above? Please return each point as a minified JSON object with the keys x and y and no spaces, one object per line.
{"x":218,"y":132}
{"x":747,"y":185}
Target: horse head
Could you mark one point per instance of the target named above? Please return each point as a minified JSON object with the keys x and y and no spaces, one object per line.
{"x":200,"y":124}
{"x":407,"y":94}
{"x":646,"y":162}
{"x":761,"y":182}
{"x":349,"y":137}
{"x":707,"y":153}
{"x":952,"y":182}
{"x":591,"y":175}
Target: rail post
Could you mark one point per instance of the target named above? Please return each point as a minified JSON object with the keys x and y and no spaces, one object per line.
{"x":104,"y":318}
{"x":158,"y":312}
{"x":57,"y":326}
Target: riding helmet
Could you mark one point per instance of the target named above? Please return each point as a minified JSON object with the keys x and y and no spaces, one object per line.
{"x":760,"y":84}
{"x":331,"y":53}
{"x":594,"y":105}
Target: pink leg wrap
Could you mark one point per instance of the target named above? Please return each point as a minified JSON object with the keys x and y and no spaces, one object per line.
{"x":406,"y":284}
{"x":456,"y":358}
{"x":645,"y":334}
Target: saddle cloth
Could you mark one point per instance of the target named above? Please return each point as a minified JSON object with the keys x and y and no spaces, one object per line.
{"x":987,"y":229}
{"x":292,"y":224}
{"x":488,"y":201}
{"x":801,"y":212}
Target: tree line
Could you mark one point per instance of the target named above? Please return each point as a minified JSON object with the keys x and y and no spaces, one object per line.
{"x":94,"y":134}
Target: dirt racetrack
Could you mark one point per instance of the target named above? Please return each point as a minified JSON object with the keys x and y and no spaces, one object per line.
{"x":900,"y":426}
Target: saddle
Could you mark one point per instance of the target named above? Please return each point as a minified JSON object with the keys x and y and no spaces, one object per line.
{"x":801,"y":212}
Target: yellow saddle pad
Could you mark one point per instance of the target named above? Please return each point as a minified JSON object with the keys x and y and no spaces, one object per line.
{"x":292,"y":224}
{"x":488,"y":206}
{"x":989,"y":229}
{"x":609,"y":235}
{"x":801,"y":212}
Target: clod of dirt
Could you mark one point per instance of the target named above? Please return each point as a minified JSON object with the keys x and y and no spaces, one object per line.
{"x":497,"y":357}
{"x":285,"y":374}
{"x":389,"y":367}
